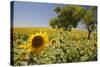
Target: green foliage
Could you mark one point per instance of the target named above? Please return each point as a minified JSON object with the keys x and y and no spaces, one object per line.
{"x":90,"y":20}
{"x":68,"y":15}
{"x":69,"y":47}
{"x":57,"y":10}
{"x":53,"y":23}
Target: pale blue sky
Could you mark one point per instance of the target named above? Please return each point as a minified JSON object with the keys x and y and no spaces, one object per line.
{"x":33,"y":14}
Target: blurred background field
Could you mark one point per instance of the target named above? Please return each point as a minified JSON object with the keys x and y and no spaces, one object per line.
{"x":53,"y":32}
{"x":33,"y":30}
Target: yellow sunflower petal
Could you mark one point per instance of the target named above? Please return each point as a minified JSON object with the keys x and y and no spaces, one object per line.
{"x":45,"y":33}
{"x":22,"y":46}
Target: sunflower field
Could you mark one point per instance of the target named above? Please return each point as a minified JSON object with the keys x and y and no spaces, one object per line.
{"x":36,"y":46}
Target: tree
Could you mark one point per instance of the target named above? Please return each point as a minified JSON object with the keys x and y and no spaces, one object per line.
{"x":90,"y":20}
{"x":57,"y":10}
{"x":53,"y":22}
{"x":68,"y":16}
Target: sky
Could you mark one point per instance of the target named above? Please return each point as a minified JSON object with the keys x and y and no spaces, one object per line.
{"x":33,"y":14}
{"x":29,"y":14}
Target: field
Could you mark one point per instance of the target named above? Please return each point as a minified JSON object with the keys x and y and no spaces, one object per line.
{"x":63,"y":46}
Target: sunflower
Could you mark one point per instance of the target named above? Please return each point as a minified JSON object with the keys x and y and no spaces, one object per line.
{"x":36,"y":42}
{"x":53,"y":42}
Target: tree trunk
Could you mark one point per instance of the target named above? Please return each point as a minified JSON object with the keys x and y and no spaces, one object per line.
{"x":89,"y":33}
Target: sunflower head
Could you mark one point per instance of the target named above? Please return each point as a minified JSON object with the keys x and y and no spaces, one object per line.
{"x":53,"y":42}
{"x":37,"y":42}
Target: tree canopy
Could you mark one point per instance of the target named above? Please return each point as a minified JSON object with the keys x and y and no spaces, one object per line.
{"x":70,"y":15}
{"x":67,"y":16}
{"x":90,"y":20}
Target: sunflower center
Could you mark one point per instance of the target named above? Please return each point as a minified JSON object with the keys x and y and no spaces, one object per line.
{"x":37,"y":41}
